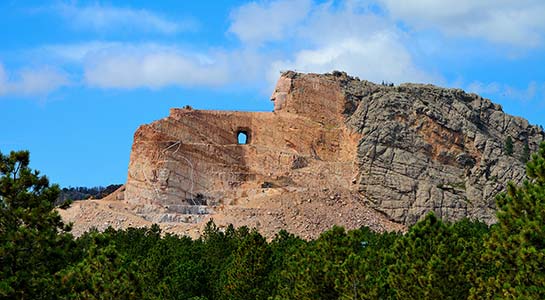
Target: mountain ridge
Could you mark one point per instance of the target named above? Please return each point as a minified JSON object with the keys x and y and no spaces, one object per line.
{"x":336,"y":150}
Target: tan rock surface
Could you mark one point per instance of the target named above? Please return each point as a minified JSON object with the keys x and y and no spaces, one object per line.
{"x":336,"y":150}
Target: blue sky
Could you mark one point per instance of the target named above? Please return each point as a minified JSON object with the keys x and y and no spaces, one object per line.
{"x":77,"y":78}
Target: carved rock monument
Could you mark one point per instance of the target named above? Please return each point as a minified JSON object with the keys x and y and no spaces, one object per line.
{"x":400,"y":150}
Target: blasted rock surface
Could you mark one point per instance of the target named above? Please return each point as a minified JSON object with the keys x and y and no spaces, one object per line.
{"x":188,"y":164}
{"x":402,"y":150}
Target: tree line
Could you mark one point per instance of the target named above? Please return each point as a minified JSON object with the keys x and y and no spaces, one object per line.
{"x":84,"y":193}
{"x":40,"y":259}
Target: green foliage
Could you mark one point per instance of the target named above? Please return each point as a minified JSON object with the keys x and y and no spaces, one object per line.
{"x":434,"y":259}
{"x":313,"y":270}
{"x":246,"y":276}
{"x":525,"y":153}
{"x":217,"y":248}
{"x":102,"y":274}
{"x":35,"y":243}
{"x":516,"y":244}
{"x":39,"y":259}
{"x":136,"y":243}
{"x":508,"y":147}
{"x":365,"y":272}
{"x":283,"y":246}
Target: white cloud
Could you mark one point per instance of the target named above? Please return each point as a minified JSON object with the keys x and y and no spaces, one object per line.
{"x":256,"y":23}
{"x":378,"y":58}
{"x":327,"y":24}
{"x":321,"y":38}
{"x":103,"y":18}
{"x":518,"y":23}
{"x":478,"y":87}
{"x":3,"y":81}
{"x":39,"y":81}
{"x":76,"y":52}
{"x":531,"y":92}
{"x":352,"y":38}
{"x":32,"y":82}
{"x":154,"y":70}
{"x":156,"y":65}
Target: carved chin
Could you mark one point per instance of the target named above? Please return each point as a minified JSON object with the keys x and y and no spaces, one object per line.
{"x":279,"y":100}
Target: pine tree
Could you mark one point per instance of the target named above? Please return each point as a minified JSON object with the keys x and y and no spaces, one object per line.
{"x":246,"y":277}
{"x":217,"y":249}
{"x":311,"y":272}
{"x":516,"y":245}
{"x":35,"y":243}
{"x":103,"y":274}
{"x":365,"y":273}
{"x":173,"y":269}
{"x":508,"y":147}
{"x":525,"y":153}
{"x":433,"y":261}
{"x":283,"y":246}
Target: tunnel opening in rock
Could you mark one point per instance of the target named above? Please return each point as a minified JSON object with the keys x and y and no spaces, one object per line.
{"x":243,"y":137}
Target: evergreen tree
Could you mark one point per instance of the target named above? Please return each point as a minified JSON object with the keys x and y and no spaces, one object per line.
{"x":217,"y":250}
{"x":433,"y":261}
{"x":246,"y":277}
{"x":365,"y":273}
{"x":135,"y":243}
{"x":516,"y":244}
{"x":35,"y":243}
{"x":174,"y":269}
{"x":525,"y":153}
{"x":283,"y":246}
{"x":311,"y":272}
{"x":102,"y":274}
{"x":508,"y":147}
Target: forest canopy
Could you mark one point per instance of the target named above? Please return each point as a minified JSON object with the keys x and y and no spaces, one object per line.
{"x":40,"y":259}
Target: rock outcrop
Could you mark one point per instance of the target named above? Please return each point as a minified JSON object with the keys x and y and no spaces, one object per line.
{"x":185,"y":165}
{"x":402,"y":151}
{"x":425,"y":148}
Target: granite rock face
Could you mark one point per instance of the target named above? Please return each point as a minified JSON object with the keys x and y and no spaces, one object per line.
{"x":425,"y":148}
{"x":402,"y":150}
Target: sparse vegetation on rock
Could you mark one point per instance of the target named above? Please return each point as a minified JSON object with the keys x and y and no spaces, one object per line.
{"x":508,"y":147}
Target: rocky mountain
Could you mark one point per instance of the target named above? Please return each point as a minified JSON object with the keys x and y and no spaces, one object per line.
{"x":425,"y":148}
{"x":335,"y":150}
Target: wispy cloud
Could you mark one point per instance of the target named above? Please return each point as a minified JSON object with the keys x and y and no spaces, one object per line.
{"x":31,"y":82}
{"x":515,"y":23}
{"x":380,"y":57}
{"x":104,"y":18}
{"x":480,"y":87}
{"x":349,"y":37}
{"x":77,"y":52}
{"x":133,"y":66}
{"x":533,"y":91}
{"x":255,"y":23}
{"x":156,"y":65}
{"x":322,"y":38}
{"x":359,"y":37}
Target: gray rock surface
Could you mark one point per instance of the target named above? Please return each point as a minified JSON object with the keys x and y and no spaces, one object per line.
{"x":425,"y":148}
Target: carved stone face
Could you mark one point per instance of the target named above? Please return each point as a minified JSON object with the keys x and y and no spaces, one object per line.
{"x":280,"y":93}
